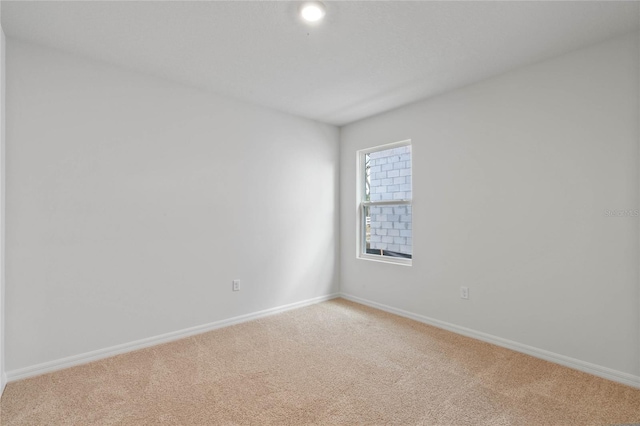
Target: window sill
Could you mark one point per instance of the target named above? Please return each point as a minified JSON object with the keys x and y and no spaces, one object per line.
{"x":385,"y":259}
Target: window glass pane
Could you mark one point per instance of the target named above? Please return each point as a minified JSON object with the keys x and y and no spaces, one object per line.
{"x":388,"y":174}
{"x":388,"y":230}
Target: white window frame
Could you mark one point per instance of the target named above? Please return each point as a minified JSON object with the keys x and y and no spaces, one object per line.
{"x":361,"y":204}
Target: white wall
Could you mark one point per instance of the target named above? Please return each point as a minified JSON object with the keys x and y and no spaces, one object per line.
{"x":132,"y":204}
{"x":512,"y":177}
{"x":3,"y":378}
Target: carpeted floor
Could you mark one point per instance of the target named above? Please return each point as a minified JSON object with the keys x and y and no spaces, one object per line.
{"x":332,"y":363}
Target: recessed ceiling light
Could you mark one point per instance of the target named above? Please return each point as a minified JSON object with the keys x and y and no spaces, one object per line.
{"x":312,"y":11}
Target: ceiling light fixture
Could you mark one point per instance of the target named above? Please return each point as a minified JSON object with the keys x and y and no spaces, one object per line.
{"x":312,"y":11}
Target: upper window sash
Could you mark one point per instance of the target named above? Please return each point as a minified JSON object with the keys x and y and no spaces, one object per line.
{"x":362,"y":165}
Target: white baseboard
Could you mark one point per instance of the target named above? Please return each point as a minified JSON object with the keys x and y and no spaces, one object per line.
{"x":59,"y":364}
{"x":576,"y":364}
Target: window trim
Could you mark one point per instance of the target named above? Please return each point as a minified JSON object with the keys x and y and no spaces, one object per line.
{"x":361,"y":204}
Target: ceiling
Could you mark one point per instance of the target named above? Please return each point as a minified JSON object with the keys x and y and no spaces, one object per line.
{"x":366,"y":57}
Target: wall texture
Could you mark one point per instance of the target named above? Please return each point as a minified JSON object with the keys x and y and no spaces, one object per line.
{"x":512,"y":179}
{"x":3,"y":377}
{"x":132,"y":204}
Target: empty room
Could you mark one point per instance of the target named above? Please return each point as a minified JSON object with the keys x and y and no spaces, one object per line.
{"x":320,"y":213}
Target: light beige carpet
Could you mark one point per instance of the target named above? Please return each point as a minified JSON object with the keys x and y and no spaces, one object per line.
{"x":331,"y":363}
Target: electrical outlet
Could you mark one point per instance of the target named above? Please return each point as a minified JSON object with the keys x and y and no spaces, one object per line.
{"x":464,"y":292}
{"x":236,"y":285}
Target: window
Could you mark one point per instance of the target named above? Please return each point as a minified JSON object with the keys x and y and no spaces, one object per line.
{"x":384,"y":197}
